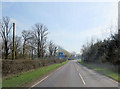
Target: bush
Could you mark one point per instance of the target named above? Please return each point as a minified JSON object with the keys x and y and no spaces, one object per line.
{"x":10,"y":67}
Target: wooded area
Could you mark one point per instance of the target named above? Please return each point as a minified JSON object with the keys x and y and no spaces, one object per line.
{"x":106,"y":51}
{"x":33,"y":44}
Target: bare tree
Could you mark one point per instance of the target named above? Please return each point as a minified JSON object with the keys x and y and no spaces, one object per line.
{"x":18,"y":46}
{"x":26,"y":36}
{"x":55,"y":50}
{"x":0,"y":49}
{"x":5,"y":33}
{"x":32,"y":46}
{"x":52,"y":49}
{"x":41,"y":37}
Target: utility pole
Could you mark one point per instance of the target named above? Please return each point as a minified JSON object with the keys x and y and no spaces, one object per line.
{"x":13,"y":41}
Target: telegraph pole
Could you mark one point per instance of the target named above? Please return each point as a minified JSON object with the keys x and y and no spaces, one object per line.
{"x":13,"y":41}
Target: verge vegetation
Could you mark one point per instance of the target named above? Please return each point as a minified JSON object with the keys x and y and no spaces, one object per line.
{"x":23,"y":78}
{"x":100,"y":69}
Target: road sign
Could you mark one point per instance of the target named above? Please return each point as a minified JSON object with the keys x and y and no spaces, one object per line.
{"x":60,"y":54}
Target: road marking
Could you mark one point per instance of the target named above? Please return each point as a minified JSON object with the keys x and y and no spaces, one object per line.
{"x":56,"y":70}
{"x":46,"y":77}
{"x":104,"y":76}
{"x":59,"y":68}
{"x":39,"y":81}
{"x":111,"y":79}
{"x":75,"y":67}
{"x":82,"y":79}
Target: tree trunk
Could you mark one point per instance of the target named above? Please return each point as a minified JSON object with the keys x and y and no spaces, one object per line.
{"x":6,"y":50}
{"x":24,"y":50}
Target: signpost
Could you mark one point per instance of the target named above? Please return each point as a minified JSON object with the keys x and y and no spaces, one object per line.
{"x":60,"y":55}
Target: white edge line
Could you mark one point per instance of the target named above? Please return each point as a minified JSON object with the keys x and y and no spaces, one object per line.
{"x":111,"y":79}
{"x":44,"y":78}
{"x":59,"y":68}
{"x":56,"y":70}
{"x":39,"y":81}
{"x":82,"y":79}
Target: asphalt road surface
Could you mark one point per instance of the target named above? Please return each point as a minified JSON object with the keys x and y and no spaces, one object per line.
{"x":73,"y":74}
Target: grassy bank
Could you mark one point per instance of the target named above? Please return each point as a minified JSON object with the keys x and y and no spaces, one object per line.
{"x":21,"y":79}
{"x":105,"y":71}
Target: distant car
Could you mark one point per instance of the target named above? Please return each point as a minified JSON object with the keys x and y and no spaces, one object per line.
{"x":70,"y":59}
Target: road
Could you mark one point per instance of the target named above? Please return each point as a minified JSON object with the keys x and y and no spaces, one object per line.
{"x":73,"y":74}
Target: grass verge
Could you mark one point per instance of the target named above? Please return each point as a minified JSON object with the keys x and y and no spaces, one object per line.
{"x":21,"y":79}
{"x":105,"y":71}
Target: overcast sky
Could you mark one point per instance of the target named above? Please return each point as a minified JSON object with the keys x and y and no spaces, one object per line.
{"x":70,"y":24}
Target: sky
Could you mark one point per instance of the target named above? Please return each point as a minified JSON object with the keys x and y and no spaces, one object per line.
{"x":70,"y":24}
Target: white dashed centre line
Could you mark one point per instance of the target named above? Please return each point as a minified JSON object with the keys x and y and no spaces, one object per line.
{"x":82,"y":79}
